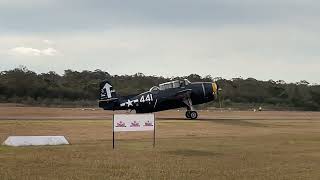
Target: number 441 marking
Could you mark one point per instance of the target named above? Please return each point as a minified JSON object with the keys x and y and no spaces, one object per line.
{"x":148,"y":98}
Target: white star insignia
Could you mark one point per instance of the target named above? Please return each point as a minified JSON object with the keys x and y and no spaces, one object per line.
{"x":129,"y":103}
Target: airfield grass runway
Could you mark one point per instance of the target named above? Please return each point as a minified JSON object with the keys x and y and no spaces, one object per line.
{"x":220,"y":145}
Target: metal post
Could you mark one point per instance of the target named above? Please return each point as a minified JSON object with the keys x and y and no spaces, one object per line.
{"x":154,"y":131}
{"x":113,"y":131}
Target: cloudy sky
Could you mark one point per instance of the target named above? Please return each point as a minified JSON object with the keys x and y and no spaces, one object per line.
{"x":264,"y":39}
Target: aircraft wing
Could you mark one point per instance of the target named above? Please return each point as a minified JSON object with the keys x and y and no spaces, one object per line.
{"x":184,"y":94}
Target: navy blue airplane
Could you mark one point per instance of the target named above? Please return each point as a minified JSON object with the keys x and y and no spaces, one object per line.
{"x":169,"y":95}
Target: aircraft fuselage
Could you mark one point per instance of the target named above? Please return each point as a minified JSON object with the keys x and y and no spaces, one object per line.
{"x":159,"y":100}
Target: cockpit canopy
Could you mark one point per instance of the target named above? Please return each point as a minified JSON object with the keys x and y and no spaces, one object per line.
{"x":171,"y":84}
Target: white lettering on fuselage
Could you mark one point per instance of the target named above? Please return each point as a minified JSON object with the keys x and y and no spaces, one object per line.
{"x":146,"y":98}
{"x":143,"y":98}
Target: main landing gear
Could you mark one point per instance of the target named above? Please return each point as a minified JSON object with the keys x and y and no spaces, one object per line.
{"x":191,"y":113}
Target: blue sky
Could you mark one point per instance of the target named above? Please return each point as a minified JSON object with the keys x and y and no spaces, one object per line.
{"x":274,"y":39}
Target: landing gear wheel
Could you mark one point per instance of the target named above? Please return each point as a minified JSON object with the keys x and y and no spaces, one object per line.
{"x":188,"y":114}
{"x":193,"y":115}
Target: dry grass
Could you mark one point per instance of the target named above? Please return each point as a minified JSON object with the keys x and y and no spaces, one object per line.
{"x":272,"y":145}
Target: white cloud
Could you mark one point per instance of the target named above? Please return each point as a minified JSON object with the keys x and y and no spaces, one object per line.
{"x":48,"y":42}
{"x":26,"y":51}
{"x":49,"y":52}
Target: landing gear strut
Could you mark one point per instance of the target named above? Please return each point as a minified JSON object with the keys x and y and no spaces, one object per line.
{"x":191,"y":114}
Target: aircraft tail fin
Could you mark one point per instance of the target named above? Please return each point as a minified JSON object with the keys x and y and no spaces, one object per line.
{"x":108,"y":99}
{"x":107,"y":91}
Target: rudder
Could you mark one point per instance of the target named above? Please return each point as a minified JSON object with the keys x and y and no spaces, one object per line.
{"x":108,"y":98}
{"x":107,"y":91}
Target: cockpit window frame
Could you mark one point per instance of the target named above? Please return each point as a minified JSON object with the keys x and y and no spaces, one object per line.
{"x":173,"y":84}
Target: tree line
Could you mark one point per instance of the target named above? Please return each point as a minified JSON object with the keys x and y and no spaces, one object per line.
{"x":75,"y":88}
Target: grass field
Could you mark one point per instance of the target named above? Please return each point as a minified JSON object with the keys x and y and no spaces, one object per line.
{"x":220,"y":145}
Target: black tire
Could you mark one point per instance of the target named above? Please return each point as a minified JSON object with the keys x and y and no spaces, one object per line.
{"x":193,"y":115}
{"x":188,"y":114}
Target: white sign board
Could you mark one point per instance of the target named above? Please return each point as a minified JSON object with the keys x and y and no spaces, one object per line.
{"x":133,"y":122}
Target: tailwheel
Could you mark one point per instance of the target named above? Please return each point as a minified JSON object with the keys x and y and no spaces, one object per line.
{"x":192,"y":114}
